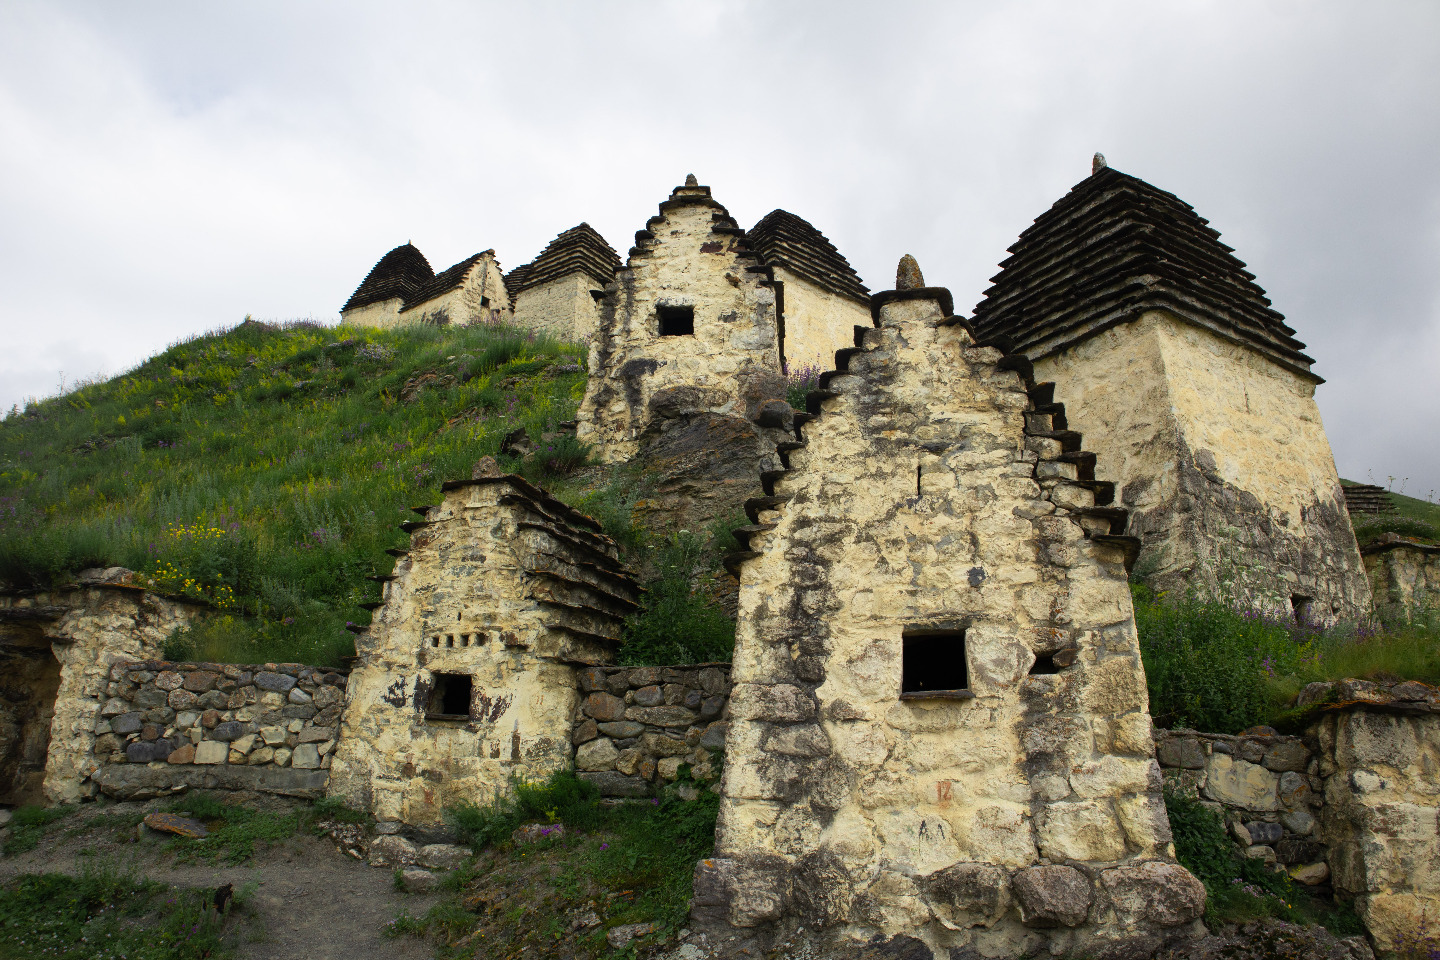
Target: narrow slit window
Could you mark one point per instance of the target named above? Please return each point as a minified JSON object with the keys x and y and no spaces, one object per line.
{"x":1044,"y":664}
{"x":933,"y":664}
{"x":449,"y":696}
{"x":676,"y":321}
{"x":449,"y":639}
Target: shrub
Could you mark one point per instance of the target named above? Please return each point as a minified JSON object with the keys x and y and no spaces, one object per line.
{"x":1211,"y":666}
{"x":799,"y":382}
{"x":677,"y":621}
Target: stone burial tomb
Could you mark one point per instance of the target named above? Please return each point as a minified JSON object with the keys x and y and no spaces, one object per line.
{"x":466,"y":675}
{"x":1191,"y":388}
{"x":939,"y":724}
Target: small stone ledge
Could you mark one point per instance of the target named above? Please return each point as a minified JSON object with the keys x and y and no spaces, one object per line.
{"x":137,"y":782}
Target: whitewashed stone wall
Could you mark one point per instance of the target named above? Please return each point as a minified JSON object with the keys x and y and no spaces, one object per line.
{"x":480,"y":298}
{"x":1222,"y":458}
{"x":508,"y":588}
{"x":1020,"y":814}
{"x":691,"y":255}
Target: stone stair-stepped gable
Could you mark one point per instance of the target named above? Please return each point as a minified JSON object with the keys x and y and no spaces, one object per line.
{"x":466,"y":675}
{"x":1366,"y":498}
{"x":937,"y":523}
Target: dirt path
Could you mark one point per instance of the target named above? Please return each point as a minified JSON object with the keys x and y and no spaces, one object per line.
{"x":311,"y":902}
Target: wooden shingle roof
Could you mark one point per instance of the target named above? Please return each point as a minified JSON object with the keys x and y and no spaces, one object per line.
{"x":1114,"y":247}
{"x":400,"y":273}
{"x":784,"y":239}
{"x":580,"y":249}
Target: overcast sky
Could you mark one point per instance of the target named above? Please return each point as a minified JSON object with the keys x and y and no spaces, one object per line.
{"x":167,"y":168}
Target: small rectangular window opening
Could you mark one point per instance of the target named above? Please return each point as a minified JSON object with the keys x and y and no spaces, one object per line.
{"x":676,"y":321}
{"x":484,"y":302}
{"x":1044,"y":664}
{"x":1300,"y":606}
{"x":449,"y":696}
{"x":933,"y":664}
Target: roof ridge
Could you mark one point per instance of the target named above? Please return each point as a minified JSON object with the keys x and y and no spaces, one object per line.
{"x":397,"y":275}
{"x":789,"y":240}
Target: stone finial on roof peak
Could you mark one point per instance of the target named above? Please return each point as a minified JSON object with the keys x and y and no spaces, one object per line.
{"x":690,"y":180}
{"x":908,"y":275}
{"x":1097,"y":163}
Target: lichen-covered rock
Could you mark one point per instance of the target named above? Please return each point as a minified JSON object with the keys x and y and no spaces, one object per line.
{"x":1052,"y":896}
{"x":1163,"y":894}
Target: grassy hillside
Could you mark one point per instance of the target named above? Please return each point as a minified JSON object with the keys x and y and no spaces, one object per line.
{"x":265,"y":469}
{"x":1412,"y":518}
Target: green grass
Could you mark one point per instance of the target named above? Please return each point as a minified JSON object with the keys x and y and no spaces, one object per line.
{"x":679,"y":622}
{"x":637,"y":857}
{"x":1219,"y":668}
{"x":266,"y":469}
{"x":103,"y":914}
{"x":237,"y":831}
{"x":28,"y":824}
{"x":1240,"y":888}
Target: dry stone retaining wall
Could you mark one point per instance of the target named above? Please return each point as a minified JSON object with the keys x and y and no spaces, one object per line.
{"x":637,"y":727}
{"x":1404,"y":575}
{"x":1379,"y":756}
{"x":1266,"y":786}
{"x":164,"y":726}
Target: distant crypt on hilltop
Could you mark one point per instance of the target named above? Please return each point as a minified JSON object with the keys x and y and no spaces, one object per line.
{"x":1186,"y":382}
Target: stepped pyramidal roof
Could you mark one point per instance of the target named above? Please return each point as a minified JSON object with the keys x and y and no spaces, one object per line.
{"x":1114,"y":247}
{"x":786,"y":240}
{"x":579,"y":249}
{"x":400,"y":273}
{"x":444,"y":281}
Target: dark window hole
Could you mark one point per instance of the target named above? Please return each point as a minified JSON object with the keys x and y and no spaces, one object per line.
{"x":1300,"y":606}
{"x":1044,"y":663}
{"x":933,"y":663}
{"x":676,"y":321}
{"x":449,"y":695}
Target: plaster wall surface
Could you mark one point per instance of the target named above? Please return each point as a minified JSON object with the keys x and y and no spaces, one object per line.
{"x":1222,"y":458}
{"x":1022,"y":813}
{"x":691,"y":255}
{"x":90,"y":629}
{"x":470,"y":600}
{"x":563,"y":308}
{"x":817,"y":322}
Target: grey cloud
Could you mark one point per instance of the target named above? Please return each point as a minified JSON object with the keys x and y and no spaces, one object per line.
{"x":167,"y":169}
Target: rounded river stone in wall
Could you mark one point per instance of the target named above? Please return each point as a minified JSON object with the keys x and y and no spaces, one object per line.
{"x":274,"y":682}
